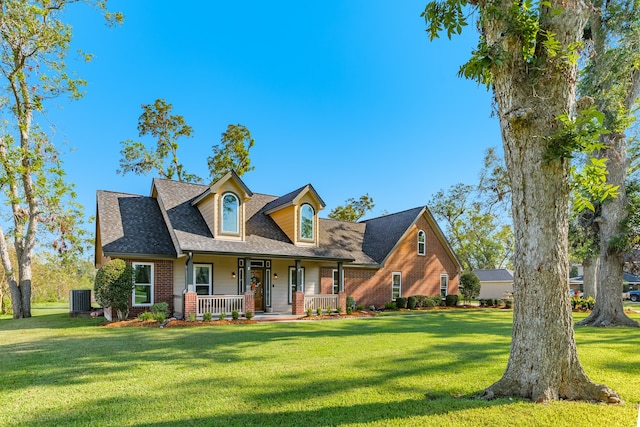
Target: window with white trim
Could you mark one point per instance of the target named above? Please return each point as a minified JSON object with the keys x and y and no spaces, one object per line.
{"x":336,"y":284}
{"x":444,"y":285}
{"x":396,"y":285}
{"x":293,"y":282}
{"x":142,"y":294}
{"x":422,"y":242}
{"x":306,"y":222}
{"x":230,"y":213}
{"x":202,"y":274}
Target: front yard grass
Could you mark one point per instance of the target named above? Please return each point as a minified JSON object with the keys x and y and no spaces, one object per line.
{"x":396,"y":370}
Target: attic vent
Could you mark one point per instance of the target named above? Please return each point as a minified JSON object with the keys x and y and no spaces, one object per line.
{"x":80,"y":300}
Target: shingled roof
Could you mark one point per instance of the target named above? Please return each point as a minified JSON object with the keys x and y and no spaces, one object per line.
{"x":132,"y":224}
{"x":168,"y":224}
{"x":382,"y":234}
{"x":494,"y":275}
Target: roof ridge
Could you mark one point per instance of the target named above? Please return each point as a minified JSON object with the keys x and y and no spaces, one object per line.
{"x":120,"y":192}
{"x":393,"y":213}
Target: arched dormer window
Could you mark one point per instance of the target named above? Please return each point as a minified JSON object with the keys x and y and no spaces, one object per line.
{"x":421,"y":242}
{"x":306,"y":222}
{"x":230,"y":213}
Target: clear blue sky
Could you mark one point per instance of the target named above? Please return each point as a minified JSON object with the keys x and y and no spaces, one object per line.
{"x":349,"y":96}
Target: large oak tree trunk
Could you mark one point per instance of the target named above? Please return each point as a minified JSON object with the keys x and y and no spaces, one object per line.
{"x":543,"y":363}
{"x":590,"y":277}
{"x":609,"y":310}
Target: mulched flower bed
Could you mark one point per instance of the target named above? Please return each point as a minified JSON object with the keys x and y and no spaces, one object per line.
{"x":135,"y":323}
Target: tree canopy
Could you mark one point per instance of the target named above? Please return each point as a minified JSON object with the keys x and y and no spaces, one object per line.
{"x":33,"y":71}
{"x":353,"y":209}
{"x":157,"y":122}
{"x":474,"y":217}
{"x":231,"y":153}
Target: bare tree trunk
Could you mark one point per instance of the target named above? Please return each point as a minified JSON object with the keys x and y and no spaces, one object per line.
{"x":609,"y":310}
{"x":590,"y":277}
{"x":543,"y":362}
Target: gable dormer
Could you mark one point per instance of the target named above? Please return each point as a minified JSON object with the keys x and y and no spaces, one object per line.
{"x":222,"y":206}
{"x":297,"y":215}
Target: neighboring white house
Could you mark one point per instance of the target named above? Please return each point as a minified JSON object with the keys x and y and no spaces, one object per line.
{"x":494,"y":283}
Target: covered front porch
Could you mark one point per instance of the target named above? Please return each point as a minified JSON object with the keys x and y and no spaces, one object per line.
{"x":262,"y":286}
{"x":227,"y":304}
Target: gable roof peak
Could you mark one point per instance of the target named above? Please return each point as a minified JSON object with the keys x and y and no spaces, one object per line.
{"x":215,"y":186}
{"x":293,"y":198}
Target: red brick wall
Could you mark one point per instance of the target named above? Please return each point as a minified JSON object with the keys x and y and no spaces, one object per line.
{"x":420,"y":274}
{"x":297,"y":305}
{"x":190,"y":304}
{"x":249,"y":303}
{"x":162,"y":285}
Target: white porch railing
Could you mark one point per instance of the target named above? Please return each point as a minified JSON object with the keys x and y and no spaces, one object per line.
{"x":321,"y":301}
{"x":216,"y":304}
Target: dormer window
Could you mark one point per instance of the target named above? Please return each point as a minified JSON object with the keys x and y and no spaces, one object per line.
{"x":230,"y":213}
{"x":307,"y":216}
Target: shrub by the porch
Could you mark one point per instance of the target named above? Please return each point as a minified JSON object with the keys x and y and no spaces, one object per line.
{"x":411,"y":303}
{"x":469,"y":285}
{"x":145,"y":316}
{"x":451,"y":300}
{"x":401,"y":302}
{"x":113,"y":286}
{"x":351,"y":302}
{"x":160,"y":310}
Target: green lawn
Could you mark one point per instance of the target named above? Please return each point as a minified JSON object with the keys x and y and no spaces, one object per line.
{"x":392,"y":370}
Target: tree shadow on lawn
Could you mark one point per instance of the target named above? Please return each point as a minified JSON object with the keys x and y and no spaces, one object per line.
{"x":71,"y":357}
{"x":80,"y":357}
{"x":400,"y":411}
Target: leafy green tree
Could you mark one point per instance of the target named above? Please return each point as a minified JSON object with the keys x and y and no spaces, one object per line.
{"x":157,"y":122}
{"x":353,"y":209}
{"x":54,"y":278}
{"x":474,"y":220}
{"x":494,"y":188}
{"x":231,"y":153}
{"x":469,"y":285}
{"x":611,"y":78}
{"x":113,"y":286}
{"x":33,"y":71}
{"x":528,"y":55}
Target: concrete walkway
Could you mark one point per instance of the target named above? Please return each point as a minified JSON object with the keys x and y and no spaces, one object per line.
{"x":275,"y":317}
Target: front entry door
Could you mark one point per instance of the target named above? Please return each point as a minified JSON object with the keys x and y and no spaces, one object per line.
{"x":257,"y":287}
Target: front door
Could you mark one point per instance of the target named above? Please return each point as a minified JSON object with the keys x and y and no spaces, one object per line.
{"x":257,"y":287}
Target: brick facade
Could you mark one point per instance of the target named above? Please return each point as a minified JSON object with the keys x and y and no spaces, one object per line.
{"x":420,"y":274}
{"x":368,"y":286}
{"x":249,"y":302}
{"x":162,"y":285}
{"x":297,"y":303}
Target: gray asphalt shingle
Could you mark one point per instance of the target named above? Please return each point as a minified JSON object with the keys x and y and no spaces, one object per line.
{"x":132,"y":224}
{"x":135,"y":224}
